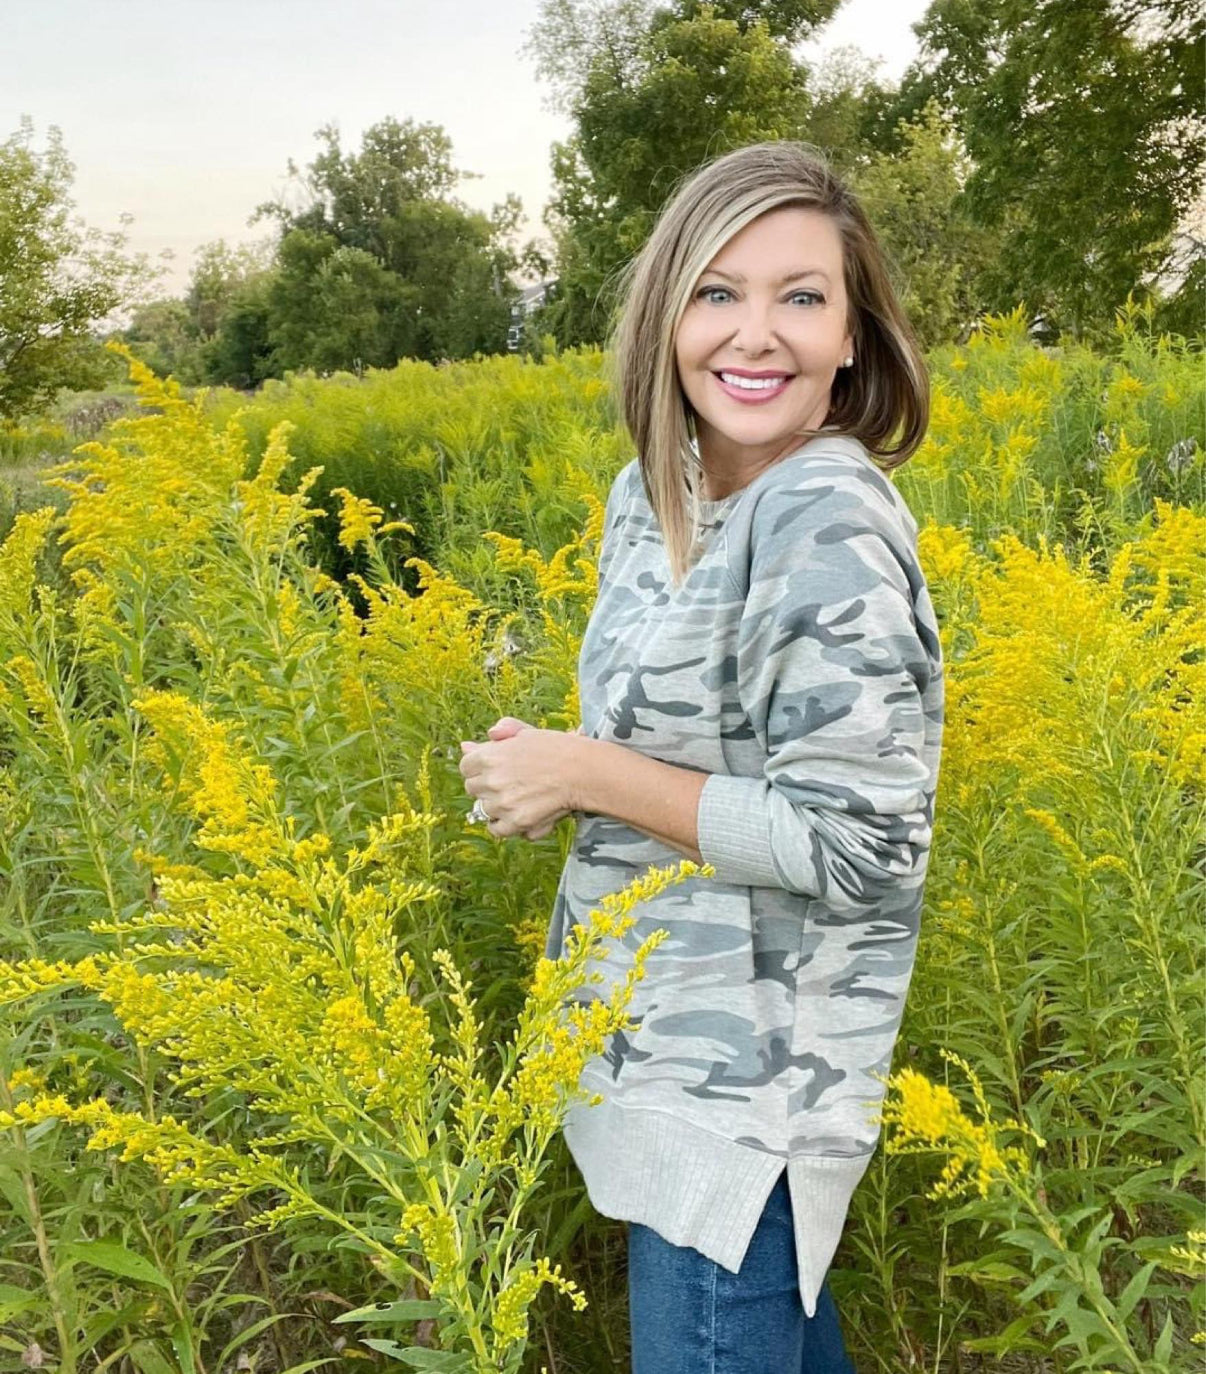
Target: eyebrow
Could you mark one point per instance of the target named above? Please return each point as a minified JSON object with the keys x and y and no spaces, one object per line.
{"x":791,"y":276}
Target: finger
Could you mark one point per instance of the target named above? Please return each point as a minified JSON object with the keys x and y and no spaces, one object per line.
{"x":507,"y":726}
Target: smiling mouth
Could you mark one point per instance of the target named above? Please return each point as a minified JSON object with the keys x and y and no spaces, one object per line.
{"x":752,"y":388}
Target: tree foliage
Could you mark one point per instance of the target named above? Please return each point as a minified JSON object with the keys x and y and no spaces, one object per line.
{"x":58,"y":278}
{"x":218,"y":330}
{"x":220,"y":274}
{"x":374,"y":259}
{"x":1084,"y":125}
{"x":383,"y":261}
{"x":852,"y":114}
{"x":653,"y":94}
{"x":161,"y":334}
{"x":241,"y":353}
{"x":1057,"y":168}
{"x":789,"y":20}
{"x":332,"y":306}
{"x":914,"y":200}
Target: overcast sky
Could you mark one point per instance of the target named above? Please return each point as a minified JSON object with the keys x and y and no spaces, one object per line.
{"x":184,"y":113}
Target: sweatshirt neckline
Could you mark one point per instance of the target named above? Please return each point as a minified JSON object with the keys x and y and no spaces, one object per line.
{"x":709,"y":509}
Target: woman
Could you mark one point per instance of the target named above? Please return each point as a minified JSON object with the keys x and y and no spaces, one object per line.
{"x":761,"y":687}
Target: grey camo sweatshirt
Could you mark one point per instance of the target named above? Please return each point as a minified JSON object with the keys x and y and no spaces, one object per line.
{"x":799,"y":666}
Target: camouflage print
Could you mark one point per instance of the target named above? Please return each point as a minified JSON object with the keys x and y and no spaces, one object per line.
{"x":799,"y":666}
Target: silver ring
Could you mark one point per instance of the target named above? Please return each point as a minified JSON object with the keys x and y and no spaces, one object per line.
{"x":478,"y":813}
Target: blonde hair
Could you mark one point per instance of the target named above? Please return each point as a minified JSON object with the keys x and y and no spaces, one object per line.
{"x":886,"y":391}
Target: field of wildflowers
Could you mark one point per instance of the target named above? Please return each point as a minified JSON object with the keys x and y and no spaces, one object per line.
{"x":281,"y":1067}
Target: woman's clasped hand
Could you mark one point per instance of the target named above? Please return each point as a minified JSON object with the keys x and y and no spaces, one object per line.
{"x":525,"y":778}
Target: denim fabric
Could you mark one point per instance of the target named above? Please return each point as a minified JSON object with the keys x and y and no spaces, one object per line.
{"x":690,"y":1315}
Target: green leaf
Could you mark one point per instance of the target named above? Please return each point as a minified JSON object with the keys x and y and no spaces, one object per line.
{"x":1080,"y":1322}
{"x":468,"y":1177}
{"x":391,"y":1348}
{"x":420,"y":1357}
{"x":1034,"y":1242}
{"x":14,"y":1300}
{"x":1135,"y":1290}
{"x":1182,"y":1166}
{"x":132,"y":1315}
{"x":1071,"y":1220}
{"x":1012,"y":1337}
{"x":1040,"y":1285}
{"x":1164,"y":1345}
{"x":575,"y":1218}
{"x":987,"y":1271}
{"x":116,"y":1259}
{"x":404,"y":1310}
{"x":182,"y":1344}
{"x":149,"y":1359}
{"x":247,"y":1334}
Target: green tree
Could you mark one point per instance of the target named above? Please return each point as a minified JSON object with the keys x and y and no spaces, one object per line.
{"x":357,"y":198}
{"x":332,"y":307}
{"x":58,"y":278}
{"x":160,"y":333}
{"x":1084,"y":124}
{"x":654,"y":93}
{"x":851,"y":115}
{"x":219,"y":274}
{"x":241,"y":354}
{"x":384,"y":261}
{"x":914,"y":199}
{"x":217,"y":332}
{"x":790,"y":20}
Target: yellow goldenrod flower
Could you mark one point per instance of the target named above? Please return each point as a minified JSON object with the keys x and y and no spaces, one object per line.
{"x":928,"y":1117}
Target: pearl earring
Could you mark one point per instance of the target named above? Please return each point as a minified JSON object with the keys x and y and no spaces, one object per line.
{"x":848,"y":363}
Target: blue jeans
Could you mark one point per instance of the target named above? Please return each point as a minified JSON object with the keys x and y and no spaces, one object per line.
{"x":690,"y":1315}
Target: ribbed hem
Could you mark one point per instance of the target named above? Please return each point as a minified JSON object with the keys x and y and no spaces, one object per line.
{"x":821,"y":1189}
{"x":700,"y":1190}
{"x":734,"y":836}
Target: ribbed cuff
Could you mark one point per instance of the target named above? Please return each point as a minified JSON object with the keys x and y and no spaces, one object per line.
{"x":734,"y":830}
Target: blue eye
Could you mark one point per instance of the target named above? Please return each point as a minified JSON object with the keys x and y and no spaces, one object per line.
{"x":724,"y":290}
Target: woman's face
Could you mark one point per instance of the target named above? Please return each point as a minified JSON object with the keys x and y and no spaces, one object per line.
{"x":772,"y":301}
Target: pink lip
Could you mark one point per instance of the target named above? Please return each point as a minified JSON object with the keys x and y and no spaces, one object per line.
{"x":751,"y":398}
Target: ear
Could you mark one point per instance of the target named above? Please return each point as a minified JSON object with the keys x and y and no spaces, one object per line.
{"x":848,"y":340}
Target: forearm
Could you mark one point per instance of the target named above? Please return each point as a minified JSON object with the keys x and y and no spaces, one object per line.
{"x":659,"y":799}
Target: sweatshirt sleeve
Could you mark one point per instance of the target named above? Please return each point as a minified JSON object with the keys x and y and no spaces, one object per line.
{"x":831,"y":671}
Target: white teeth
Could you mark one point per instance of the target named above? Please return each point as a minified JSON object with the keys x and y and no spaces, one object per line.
{"x":754,"y":383}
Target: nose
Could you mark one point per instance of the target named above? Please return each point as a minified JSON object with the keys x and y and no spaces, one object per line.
{"x":754,"y":334}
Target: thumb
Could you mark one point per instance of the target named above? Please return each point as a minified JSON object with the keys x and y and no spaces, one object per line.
{"x":507,"y":726}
